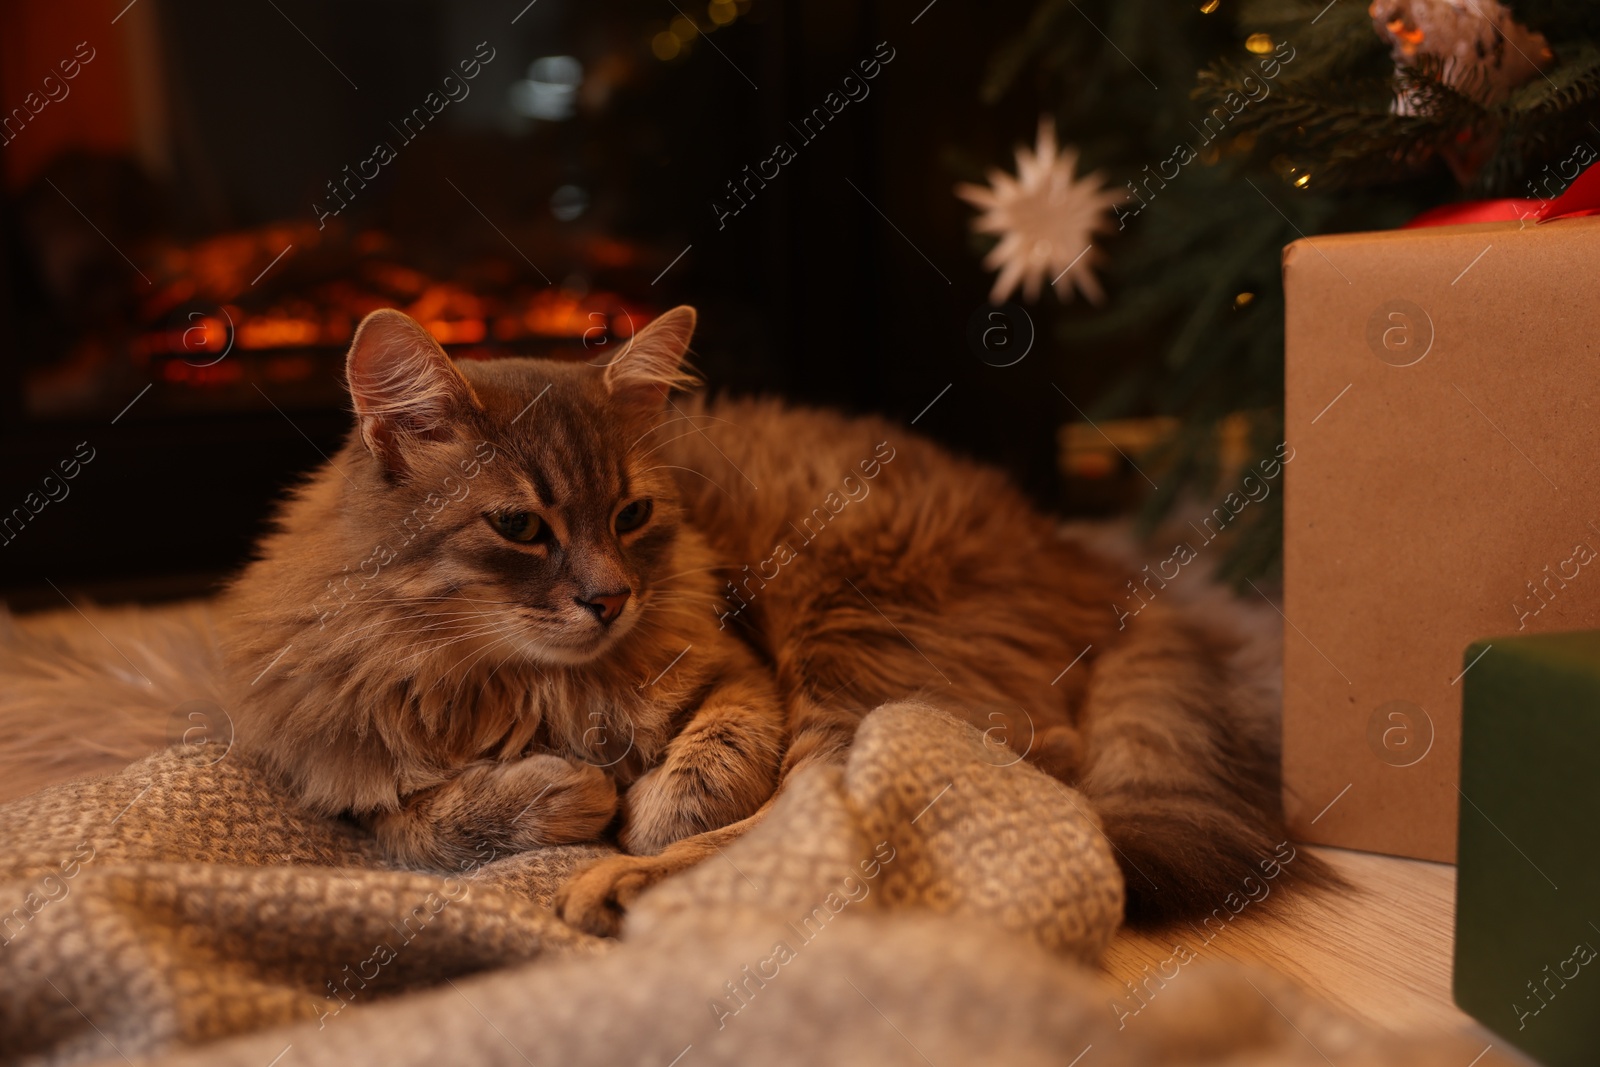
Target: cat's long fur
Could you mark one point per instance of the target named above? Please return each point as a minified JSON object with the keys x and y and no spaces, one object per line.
{"x":944,"y":581}
{"x":807,"y":566}
{"x":395,"y":658}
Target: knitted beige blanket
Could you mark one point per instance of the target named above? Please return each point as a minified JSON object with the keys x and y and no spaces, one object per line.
{"x":933,"y":902}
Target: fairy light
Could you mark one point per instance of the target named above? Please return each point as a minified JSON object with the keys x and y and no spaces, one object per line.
{"x":1259,"y":43}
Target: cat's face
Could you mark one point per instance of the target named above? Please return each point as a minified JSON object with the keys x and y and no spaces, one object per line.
{"x":527,"y":510}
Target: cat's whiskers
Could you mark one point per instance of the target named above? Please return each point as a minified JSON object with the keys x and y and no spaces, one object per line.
{"x":450,"y":627}
{"x":381,"y":608}
{"x":663,"y":444}
{"x":427,"y":597}
{"x":672,"y":421}
{"x":669,"y":595}
{"x":444,"y":632}
{"x":691,"y":470}
{"x":437,"y":623}
{"x":505,"y":640}
{"x":673,"y":601}
{"x":426,"y":612}
{"x":684,"y":591}
{"x":694,"y":570}
{"x":440,"y":646}
{"x":658,"y":426}
{"x":418,"y":615}
{"x":500,"y":639}
{"x":417,"y":599}
{"x":466,"y":671}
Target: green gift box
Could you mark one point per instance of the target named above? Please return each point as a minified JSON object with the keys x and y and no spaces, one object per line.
{"x":1528,"y":874}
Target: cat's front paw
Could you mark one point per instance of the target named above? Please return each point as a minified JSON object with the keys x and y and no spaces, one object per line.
{"x":694,"y":792}
{"x":562,"y":801}
{"x":507,"y":807}
{"x":658,"y":810}
{"x":1059,"y":752}
{"x":597,"y":898}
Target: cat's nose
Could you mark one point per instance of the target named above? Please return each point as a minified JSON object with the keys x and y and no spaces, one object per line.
{"x":606,"y":606}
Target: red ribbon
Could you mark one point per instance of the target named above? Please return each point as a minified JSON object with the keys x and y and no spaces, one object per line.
{"x":1581,"y":198}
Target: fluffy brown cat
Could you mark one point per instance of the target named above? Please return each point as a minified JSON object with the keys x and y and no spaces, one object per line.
{"x":485,"y":616}
{"x":419,"y":659}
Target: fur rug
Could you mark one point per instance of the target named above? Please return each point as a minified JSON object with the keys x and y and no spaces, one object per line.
{"x":88,"y":690}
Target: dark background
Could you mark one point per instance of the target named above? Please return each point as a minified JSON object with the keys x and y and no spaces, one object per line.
{"x":810,"y":292}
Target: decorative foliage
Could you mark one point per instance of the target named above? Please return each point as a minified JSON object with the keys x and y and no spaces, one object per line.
{"x":1195,"y":309}
{"x":1414,"y":89}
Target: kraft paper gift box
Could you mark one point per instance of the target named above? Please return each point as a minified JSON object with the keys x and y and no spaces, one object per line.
{"x":1443,"y":406}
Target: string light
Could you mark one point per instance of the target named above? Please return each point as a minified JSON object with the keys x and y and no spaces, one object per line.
{"x":665,"y":45}
{"x":1259,"y":43}
{"x":1209,"y":6}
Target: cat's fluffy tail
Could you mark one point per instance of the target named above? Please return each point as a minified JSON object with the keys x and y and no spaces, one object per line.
{"x":1183,"y":768}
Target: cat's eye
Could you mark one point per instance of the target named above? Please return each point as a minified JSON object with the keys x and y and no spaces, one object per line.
{"x":521,"y":526}
{"x":634,"y":515}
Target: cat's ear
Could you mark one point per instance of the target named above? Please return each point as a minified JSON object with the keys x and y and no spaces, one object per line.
{"x":651,"y":366}
{"x":405,"y":388}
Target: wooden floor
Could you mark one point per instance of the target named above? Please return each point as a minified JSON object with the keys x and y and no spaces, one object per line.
{"x":1381,"y":951}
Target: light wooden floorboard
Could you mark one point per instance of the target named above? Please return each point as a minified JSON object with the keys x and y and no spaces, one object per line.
{"x":1381,"y":950}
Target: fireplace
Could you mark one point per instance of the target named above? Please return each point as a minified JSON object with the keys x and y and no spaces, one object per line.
{"x":200,"y":201}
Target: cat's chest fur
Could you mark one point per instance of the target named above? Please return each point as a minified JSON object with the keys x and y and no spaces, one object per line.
{"x":617,"y":715}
